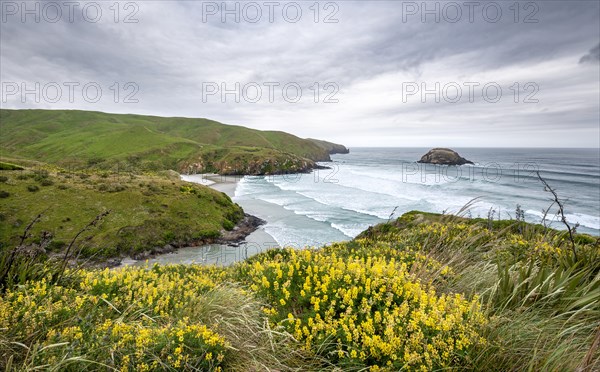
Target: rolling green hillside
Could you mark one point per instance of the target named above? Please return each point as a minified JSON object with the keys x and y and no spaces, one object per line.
{"x":146,"y":212}
{"x":82,"y":139}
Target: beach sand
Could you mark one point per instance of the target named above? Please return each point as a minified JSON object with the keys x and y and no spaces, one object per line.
{"x":226,"y":184}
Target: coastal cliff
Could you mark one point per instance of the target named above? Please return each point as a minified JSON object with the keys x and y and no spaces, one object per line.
{"x":331,"y":148}
{"x":140,"y":143}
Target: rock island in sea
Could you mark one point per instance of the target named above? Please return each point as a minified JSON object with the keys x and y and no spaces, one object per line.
{"x":443,"y":156}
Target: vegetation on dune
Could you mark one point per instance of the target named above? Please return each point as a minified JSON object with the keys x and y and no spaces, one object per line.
{"x":163,"y":318}
{"x":543,"y":305}
{"x":84,"y":139}
{"x":147,"y":212}
{"x":360,"y":309}
{"x":423,"y":292}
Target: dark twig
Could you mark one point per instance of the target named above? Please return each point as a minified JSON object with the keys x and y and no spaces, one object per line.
{"x":92,"y":223}
{"x":392,"y":214}
{"x":561,"y":212}
{"x":23,"y":237}
{"x":545,"y":214}
{"x":490,"y":217}
{"x":33,"y":222}
{"x":588,"y":361}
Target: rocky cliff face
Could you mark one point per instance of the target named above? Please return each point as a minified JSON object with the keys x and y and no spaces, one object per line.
{"x":443,"y":156}
{"x":245,"y":164}
{"x":245,"y":160}
{"x":330,"y":147}
{"x":338,"y":149}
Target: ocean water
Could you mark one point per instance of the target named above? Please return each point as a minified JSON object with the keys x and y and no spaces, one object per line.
{"x":366,"y":186}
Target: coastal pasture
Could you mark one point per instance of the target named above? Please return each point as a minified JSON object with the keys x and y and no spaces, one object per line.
{"x":84,"y":139}
{"x":145,"y":211}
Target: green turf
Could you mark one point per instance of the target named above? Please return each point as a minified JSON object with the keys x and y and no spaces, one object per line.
{"x":79,"y":139}
{"x":146,"y":211}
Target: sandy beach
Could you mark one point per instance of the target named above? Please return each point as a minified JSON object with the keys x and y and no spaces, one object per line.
{"x":226,"y":184}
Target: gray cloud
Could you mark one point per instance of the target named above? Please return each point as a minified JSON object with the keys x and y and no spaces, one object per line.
{"x":369,"y":53}
{"x":592,"y":56}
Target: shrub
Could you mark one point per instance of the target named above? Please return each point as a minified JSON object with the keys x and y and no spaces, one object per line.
{"x":213,"y":234}
{"x":9,"y":166}
{"x":168,"y":236}
{"x":222,"y":199}
{"x":40,"y":174}
{"x":152,"y":187}
{"x":364,"y":311}
{"x":56,"y":245}
{"x":4,"y":194}
{"x":3,"y":179}
{"x":46,"y":182}
{"x":188,"y":189}
{"x":116,"y":187}
{"x":228,"y":225}
{"x":32,"y":188}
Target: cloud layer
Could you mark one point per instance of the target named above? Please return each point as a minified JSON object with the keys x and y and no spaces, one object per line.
{"x":399,"y":73}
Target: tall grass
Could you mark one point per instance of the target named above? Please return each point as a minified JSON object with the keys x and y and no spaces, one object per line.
{"x":199,"y":321}
{"x":544,"y":308}
{"x":255,"y":344}
{"x":541,"y":302}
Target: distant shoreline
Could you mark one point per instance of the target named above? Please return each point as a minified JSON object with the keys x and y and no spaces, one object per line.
{"x":226,"y":184}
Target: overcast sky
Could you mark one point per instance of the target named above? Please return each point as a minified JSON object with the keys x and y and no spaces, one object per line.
{"x":371,"y":62}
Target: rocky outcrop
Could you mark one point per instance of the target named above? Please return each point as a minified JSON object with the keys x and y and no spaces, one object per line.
{"x":443,"y":156}
{"x":253,"y":167}
{"x":330,"y":147}
{"x":245,"y":227}
{"x":338,"y":149}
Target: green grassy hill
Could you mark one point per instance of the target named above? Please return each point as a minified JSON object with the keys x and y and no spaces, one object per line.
{"x":80,"y":139}
{"x":146,"y":212}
